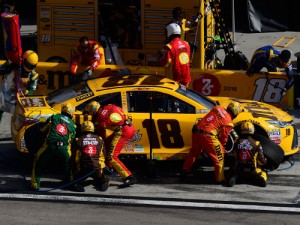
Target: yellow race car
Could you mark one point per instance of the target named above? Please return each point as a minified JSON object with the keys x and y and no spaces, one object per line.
{"x":163,"y":113}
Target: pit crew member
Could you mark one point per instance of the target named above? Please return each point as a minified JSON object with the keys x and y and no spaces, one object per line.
{"x":176,"y":52}
{"x":112,"y":117}
{"x":249,"y":158}
{"x":89,"y":156}
{"x":87,"y":55}
{"x":273,"y":60}
{"x":61,"y":131}
{"x":210,"y":134}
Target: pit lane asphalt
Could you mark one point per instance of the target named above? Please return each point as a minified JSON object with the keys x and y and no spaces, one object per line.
{"x":198,"y":191}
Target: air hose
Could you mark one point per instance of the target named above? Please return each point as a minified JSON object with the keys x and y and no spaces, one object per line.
{"x":70,"y":183}
{"x":292,"y":163}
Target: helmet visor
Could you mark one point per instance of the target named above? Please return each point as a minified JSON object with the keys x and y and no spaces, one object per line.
{"x":28,"y":65}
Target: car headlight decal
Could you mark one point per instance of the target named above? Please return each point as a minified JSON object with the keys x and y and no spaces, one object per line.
{"x":280,"y":124}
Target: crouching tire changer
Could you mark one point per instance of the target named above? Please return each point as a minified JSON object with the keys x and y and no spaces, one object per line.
{"x":89,"y":156}
{"x":249,"y":158}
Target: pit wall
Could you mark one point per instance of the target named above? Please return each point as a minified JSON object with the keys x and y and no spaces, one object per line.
{"x":230,"y":83}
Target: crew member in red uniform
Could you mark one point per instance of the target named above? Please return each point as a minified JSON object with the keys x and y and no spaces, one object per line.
{"x":210,"y":134}
{"x":112,"y":117}
{"x":176,"y":52}
{"x":87,"y":54}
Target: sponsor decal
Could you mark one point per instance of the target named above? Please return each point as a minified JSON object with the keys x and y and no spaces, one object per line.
{"x":33,"y":102}
{"x":139,"y":148}
{"x":207,"y":84}
{"x":275,"y":136}
{"x":61,"y":129}
{"x":84,"y":96}
{"x":90,"y":150}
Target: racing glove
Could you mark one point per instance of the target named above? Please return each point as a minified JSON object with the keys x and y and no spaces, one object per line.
{"x":89,"y":72}
{"x":250,"y":72}
{"x":283,"y":92}
{"x":234,"y":135}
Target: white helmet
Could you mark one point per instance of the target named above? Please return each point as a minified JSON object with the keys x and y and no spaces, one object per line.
{"x":173,"y":28}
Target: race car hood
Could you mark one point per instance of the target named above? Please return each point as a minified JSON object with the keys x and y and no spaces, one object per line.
{"x":33,"y":106}
{"x":257,"y":109}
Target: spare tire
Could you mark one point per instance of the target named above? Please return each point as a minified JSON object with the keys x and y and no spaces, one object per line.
{"x":272,"y":151}
{"x":236,"y":61}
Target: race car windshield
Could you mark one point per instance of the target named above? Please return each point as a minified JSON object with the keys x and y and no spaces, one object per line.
{"x":66,"y":93}
{"x":196,"y":97}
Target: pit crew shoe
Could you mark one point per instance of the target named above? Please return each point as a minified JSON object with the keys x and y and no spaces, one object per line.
{"x":130,"y":180}
{"x":259,"y":181}
{"x":183,"y":174}
{"x":76,"y":188}
{"x":232,"y":181}
{"x":103,"y":186}
{"x":33,"y":188}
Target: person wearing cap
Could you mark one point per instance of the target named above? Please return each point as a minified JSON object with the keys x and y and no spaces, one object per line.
{"x":85,"y":58}
{"x":210,"y":134}
{"x":176,"y":52}
{"x":185,"y":25}
{"x":273,"y":60}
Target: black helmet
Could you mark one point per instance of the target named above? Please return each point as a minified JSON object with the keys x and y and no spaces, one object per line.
{"x":177,"y":13}
{"x":285,"y":56}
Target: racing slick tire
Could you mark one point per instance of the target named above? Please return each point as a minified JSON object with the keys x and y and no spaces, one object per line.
{"x":236,"y":61}
{"x":272,"y":151}
{"x":34,"y":138}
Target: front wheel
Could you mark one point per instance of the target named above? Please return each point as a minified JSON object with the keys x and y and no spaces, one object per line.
{"x":272,"y":151}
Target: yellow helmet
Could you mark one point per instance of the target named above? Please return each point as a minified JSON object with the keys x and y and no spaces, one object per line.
{"x":247,"y":128}
{"x":30,"y":60}
{"x":87,"y":126}
{"x":68,"y":108}
{"x":235,"y":108}
{"x":92,"y":108}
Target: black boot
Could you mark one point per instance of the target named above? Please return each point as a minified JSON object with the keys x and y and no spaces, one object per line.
{"x":260,"y":181}
{"x":76,"y":188}
{"x":232,"y":181}
{"x":103,"y":184}
{"x":130,"y":180}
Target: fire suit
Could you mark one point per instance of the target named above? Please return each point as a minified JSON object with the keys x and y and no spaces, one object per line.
{"x":5,"y":6}
{"x":29,"y":79}
{"x":90,"y":57}
{"x":61,"y":132}
{"x":249,"y":159}
{"x":112,"y":117}
{"x":210,"y":134}
{"x":268,"y":57}
{"x":89,"y":155}
{"x":177,"y":52}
